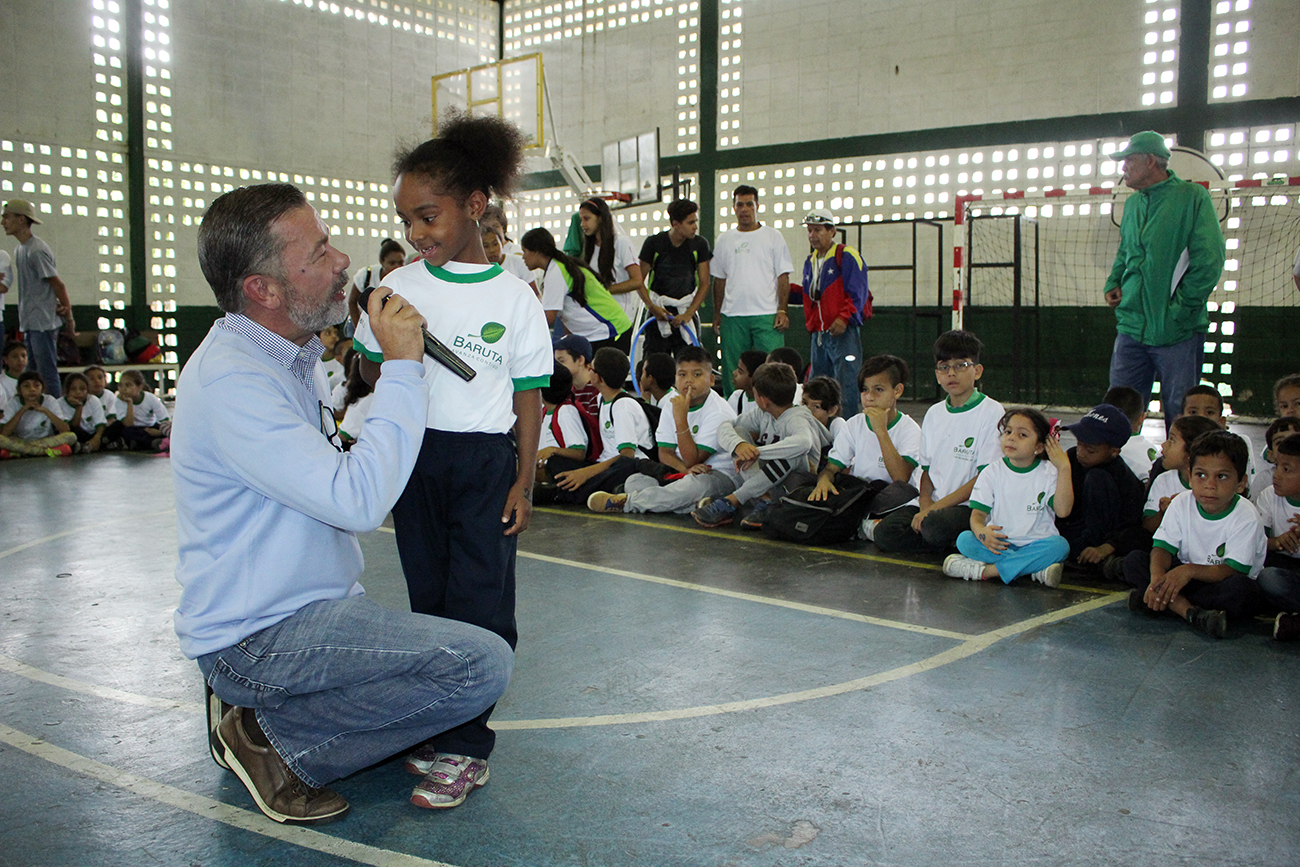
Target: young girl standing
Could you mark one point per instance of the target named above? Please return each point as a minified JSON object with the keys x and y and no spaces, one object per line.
{"x":611,"y":256}
{"x":571,"y":290}
{"x":470,"y":493}
{"x":1024,"y":495}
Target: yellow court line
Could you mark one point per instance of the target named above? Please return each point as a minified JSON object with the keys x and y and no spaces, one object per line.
{"x":856,"y":555}
{"x":967,"y":648}
{"x":77,"y":530}
{"x":754,"y":540}
{"x":13,"y":666}
{"x":750,"y":597}
{"x":207,"y":808}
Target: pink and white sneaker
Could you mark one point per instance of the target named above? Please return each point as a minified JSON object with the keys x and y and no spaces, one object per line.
{"x":449,"y":780}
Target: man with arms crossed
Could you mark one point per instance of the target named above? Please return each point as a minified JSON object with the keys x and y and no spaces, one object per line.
{"x":322,"y":682}
{"x":751,"y":267}
{"x":1170,"y":256}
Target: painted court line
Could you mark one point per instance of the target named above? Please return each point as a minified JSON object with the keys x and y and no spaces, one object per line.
{"x":79,"y":530}
{"x":208,"y":808}
{"x":970,"y":647}
{"x":750,"y":597}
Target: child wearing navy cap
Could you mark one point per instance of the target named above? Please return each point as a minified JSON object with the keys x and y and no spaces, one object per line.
{"x":1108,"y":498}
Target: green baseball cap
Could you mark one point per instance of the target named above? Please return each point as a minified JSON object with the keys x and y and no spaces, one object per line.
{"x":1148,"y":142}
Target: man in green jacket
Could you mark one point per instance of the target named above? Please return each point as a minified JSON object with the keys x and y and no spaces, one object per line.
{"x":1171,"y":254}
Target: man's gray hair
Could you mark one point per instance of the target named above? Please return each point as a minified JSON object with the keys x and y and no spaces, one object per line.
{"x":236,"y":241}
{"x":1162,"y":163}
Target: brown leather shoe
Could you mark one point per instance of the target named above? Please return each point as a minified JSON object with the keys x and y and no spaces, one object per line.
{"x":275,"y":788}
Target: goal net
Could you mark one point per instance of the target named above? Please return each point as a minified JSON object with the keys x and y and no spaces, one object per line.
{"x":1045,"y":260}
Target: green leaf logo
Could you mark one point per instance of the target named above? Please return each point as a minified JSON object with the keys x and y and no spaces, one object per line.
{"x":970,"y":441}
{"x":492,"y":332}
{"x":609,"y":424}
{"x":1151,"y":454}
{"x":1041,"y":494}
{"x":1219,"y":551}
{"x":695,"y":429}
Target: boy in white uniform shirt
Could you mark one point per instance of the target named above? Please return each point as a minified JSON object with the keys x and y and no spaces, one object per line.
{"x":1139,"y":452}
{"x":688,"y":442}
{"x":776,"y":447}
{"x":15,"y":362}
{"x":959,"y":437}
{"x":1279,"y":506}
{"x":1210,"y":546}
{"x":879,"y":444}
{"x":32,"y":425}
{"x":563,"y":431}
{"x":624,"y":431}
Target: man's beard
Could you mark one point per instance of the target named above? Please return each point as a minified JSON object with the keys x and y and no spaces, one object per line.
{"x":316,"y":318}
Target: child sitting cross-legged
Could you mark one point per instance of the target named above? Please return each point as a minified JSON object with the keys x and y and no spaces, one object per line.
{"x":775,"y":447}
{"x":1279,"y":506}
{"x":1209,"y":548}
{"x":32,"y":425}
{"x":688,"y":442}
{"x":145,"y":421}
{"x":880,"y":444}
{"x":624,"y":430}
{"x":959,"y":437}
{"x":1014,"y":506}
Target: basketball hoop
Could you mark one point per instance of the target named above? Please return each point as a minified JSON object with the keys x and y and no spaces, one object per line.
{"x":616,"y":200}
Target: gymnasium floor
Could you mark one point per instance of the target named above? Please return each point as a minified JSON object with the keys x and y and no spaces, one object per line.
{"x":681,"y":697}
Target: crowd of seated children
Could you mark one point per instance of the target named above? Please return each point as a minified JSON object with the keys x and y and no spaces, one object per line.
{"x":1279,"y":506}
{"x":959,"y":437}
{"x":1015,"y":505}
{"x":879,"y":445}
{"x":1209,"y":547}
{"x":564,"y":430}
{"x":15,"y":362}
{"x":625,"y":433}
{"x":1139,"y":452}
{"x":742,"y":380}
{"x":1279,"y":430}
{"x":31,"y":424}
{"x":655,"y":376}
{"x":775,"y":447}
{"x":687,"y":441}
{"x":83,"y":412}
{"x":1104,"y":523}
{"x":574,"y":352}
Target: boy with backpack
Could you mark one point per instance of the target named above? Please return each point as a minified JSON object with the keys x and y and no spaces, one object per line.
{"x":687,"y":438}
{"x":625,"y":433}
{"x":567,"y":428}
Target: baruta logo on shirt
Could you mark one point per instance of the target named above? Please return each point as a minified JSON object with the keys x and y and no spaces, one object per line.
{"x":477,"y":344}
{"x":965,"y":450}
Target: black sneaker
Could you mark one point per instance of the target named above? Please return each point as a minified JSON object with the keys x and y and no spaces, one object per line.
{"x":1112,"y":569}
{"x":1137,"y":603}
{"x":1212,"y":622}
{"x":1286,"y":627}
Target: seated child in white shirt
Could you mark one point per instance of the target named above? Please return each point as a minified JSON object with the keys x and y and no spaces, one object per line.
{"x":687,"y":439}
{"x":1139,"y":452}
{"x":83,"y":412}
{"x":32,"y":425}
{"x":145,"y":421}
{"x":1014,"y":507}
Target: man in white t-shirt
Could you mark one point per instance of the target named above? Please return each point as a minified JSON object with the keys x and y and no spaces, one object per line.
{"x":751,"y":287}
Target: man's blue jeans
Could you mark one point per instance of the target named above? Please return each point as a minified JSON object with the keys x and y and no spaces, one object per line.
{"x":343,"y":684}
{"x":840,"y":358}
{"x":1177,"y":366}
{"x":43,"y":357}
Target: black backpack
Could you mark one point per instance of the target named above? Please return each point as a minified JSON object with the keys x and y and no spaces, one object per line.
{"x":652,"y":414}
{"x":822,"y":522}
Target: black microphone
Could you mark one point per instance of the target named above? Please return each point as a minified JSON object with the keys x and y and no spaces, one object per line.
{"x":433,"y":347}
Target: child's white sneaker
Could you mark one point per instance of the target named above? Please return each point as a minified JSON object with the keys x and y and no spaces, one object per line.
{"x":867,"y":530}
{"x":963,"y":567}
{"x":1051,"y":576}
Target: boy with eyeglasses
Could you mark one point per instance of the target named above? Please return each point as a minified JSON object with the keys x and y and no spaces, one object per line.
{"x":959,"y":437}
